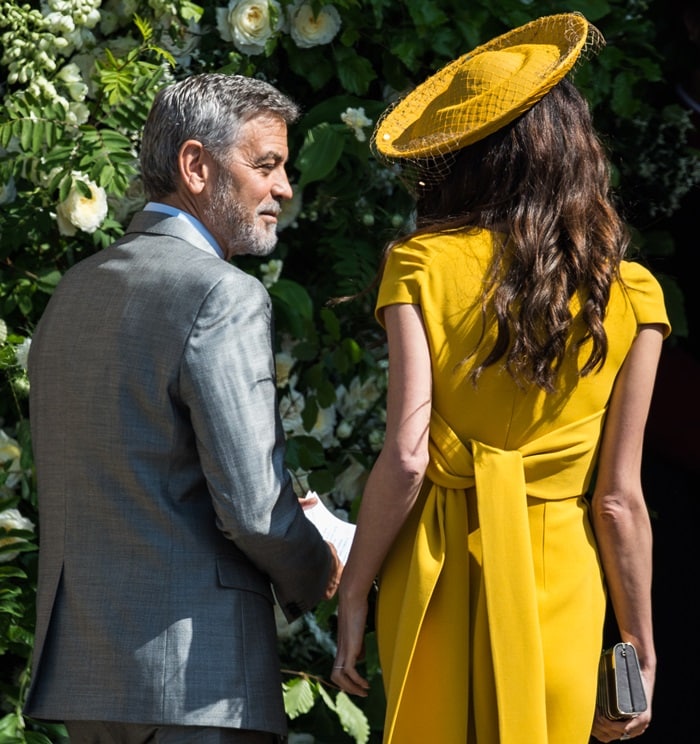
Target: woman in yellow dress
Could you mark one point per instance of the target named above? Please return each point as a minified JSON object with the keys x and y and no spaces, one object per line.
{"x":522,"y":355}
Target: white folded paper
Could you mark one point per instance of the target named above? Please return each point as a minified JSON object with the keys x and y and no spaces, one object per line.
{"x":334,"y":530}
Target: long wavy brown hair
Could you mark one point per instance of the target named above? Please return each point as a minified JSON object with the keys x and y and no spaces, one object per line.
{"x":543,"y":182}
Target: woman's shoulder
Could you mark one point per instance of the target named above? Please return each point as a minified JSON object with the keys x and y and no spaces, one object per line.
{"x":644,"y":292}
{"x":425,"y":248}
{"x":634,"y":273}
{"x":638,"y":281}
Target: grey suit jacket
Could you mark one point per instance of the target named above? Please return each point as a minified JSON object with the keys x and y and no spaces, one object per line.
{"x":166,"y":513}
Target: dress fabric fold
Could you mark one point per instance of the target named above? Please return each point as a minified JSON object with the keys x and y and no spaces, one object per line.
{"x":421,"y":620}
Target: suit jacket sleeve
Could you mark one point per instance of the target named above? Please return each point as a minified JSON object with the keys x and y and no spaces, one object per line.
{"x":228,"y":384}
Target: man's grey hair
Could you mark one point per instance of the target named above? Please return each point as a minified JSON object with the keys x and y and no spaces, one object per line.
{"x":210,"y":108}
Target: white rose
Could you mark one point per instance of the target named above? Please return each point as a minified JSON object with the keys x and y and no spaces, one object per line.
{"x":309,"y":30}
{"x":82,"y":212}
{"x":284,"y":363}
{"x":11,"y":519}
{"x":249,"y":24}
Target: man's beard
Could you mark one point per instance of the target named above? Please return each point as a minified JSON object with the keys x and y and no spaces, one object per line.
{"x":239,"y":230}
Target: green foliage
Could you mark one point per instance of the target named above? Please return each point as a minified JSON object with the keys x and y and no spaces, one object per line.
{"x":73,"y":107}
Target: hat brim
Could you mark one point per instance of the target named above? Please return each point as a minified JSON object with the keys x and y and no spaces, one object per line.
{"x":421,"y":126}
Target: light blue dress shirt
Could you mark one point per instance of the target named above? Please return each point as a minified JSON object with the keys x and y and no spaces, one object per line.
{"x":182,"y":215}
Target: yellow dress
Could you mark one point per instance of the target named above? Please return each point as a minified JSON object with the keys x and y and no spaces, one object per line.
{"x":491,"y":601}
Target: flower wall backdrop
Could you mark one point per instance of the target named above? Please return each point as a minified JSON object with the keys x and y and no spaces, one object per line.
{"x":76,"y":81}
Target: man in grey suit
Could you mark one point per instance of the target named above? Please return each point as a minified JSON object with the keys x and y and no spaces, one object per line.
{"x":168,"y":523}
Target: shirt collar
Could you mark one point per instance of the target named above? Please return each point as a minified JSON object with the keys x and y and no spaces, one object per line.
{"x":182,"y":215}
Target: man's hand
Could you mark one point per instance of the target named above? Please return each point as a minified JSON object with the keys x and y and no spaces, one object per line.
{"x":336,"y":573}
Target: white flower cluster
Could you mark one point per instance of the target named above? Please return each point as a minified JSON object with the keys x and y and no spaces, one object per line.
{"x":356,"y":119}
{"x":356,"y":413}
{"x":291,"y":209}
{"x":271,"y":271}
{"x":74,"y":19}
{"x":250,"y":24}
{"x":30,"y":47}
{"x":37,"y":42}
{"x":80,"y":212}
{"x":291,"y":408}
{"x":22,"y":353}
{"x":115,"y":14}
{"x":11,"y":519}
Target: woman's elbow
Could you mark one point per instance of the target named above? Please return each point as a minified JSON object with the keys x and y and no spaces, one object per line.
{"x":613,"y":507}
{"x":405,"y":470}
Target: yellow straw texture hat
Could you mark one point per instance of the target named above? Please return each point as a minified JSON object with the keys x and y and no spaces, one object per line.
{"x":485,"y":89}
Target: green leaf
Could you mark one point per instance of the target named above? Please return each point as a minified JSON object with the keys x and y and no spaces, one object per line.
{"x":34,"y":737}
{"x":293,"y":295}
{"x":190,"y":11}
{"x":321,"y":481}
{"x":322,"y":148}
{"x":304,"y":452}
{"x":10,"y":727}
{"x":330,"y":323}
{"x":26,"y":134}
{"x":298,"y":696}
{"x":8,"y":572}
{"x":355,"y":72}
{"x":305,"y":351}
{"x":327,"y":699}
{"x":310,"y":413}
{"x":593,"y":9}
{"x":426,"y":15}
{"x":624,"y":101}
{"x":310,"y":65}
{"x":352,"y":719}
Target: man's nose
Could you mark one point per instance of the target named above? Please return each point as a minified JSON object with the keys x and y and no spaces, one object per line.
{"x":282,"y":189}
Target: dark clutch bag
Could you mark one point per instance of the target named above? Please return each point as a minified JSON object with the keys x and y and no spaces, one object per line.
{"x":620,"y":689}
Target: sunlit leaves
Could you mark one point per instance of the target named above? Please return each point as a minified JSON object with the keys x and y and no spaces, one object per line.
{"x":300,"y":695}
{"x":35,"y":124}
{"x":320,"y":152}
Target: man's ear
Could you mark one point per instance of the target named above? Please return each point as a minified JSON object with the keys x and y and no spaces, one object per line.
{"x":195,"y":165}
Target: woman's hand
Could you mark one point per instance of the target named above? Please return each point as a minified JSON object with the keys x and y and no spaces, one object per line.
{"x":352,"y":620}
{"x":606,"y":730}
